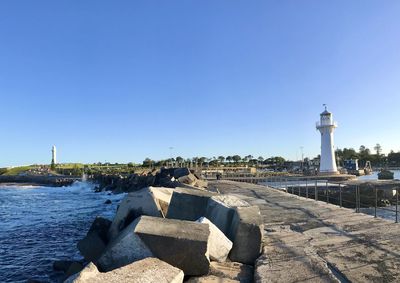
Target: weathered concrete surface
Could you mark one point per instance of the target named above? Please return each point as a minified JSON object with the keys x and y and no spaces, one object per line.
{"x":132,"y":206}
{"x":91,"y":247}
{"x":232,"y":270}
{"x":149,"y":270}
{"x":211,"y":279}
{"x":123,"y":250}
{"x":247,"y":233}
{"x":163,"y":197}
{"x":219,"y":245}
{"x":180,"y":243}
{"x":221,"y":209}
{"x":188,"y":204}
{"x":309,"y":241}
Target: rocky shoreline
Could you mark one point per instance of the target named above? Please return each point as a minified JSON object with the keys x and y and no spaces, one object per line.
{"x":54,"y":181}
{"x":172,"y":233}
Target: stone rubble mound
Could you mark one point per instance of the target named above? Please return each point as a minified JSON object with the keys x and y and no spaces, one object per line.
{"x":171,"y":233}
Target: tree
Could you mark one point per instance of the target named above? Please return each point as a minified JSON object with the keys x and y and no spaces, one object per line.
{"x":179,"y":160}
{"x":221,"y":159}
{"x":378,"y":149}
{"x":260,"y":159}
{"x":148,"y":162}
{"x":130,"y":164}
{"x":236,"y":158}
{"x":229,"y":159}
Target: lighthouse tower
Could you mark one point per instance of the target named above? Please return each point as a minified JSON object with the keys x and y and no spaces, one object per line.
{"x":53,"y":155}
{"x":326,"y":126}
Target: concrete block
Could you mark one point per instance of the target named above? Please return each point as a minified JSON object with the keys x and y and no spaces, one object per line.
{"x":149,"y":270}
{"x":132,"y":206}
{"x":91,"y":247}
{"x":182,"y":244}
{"x":180,"y":172}
{"x":219,"y":245}
{"x":123,"y":250}
{"x":188,"y":204}
{"x":189,"y":179}
{"x":232,"y":270}
{"x":247,"y":230}
{"x":211,"y":279}
{"x":163,"y":197}
{"x":221,"y":210}
{"x":101,"y":226}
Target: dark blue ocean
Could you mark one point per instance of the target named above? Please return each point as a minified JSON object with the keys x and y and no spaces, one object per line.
{"x":41,"y":224}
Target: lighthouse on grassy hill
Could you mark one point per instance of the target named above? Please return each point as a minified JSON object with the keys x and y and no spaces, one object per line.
{"x":326,"y":126}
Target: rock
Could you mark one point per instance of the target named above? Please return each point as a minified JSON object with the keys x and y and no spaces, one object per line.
{"x":132,"y":206}
{"x":163,"y":197}
{"x":188,"y":204}
{"x":101,"y":226}
{"x":180,"y":172}
{"x":91,"y":247}
{"x":188,"y":179}
{"x":124,"y":249}
{"x":149,"y":270}
{"x":219,"y":245}
{"x":232,"y":270}
{"x":211,"y":279}
{"x":74,"y":268}
{"x":62,"y":265}
{"x":182,"y":244}
{"x":247,"y":230}
{"x":221,"y":210}
{"x":108,"y":202}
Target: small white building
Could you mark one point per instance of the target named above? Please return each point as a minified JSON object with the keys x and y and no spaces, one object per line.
{"x":326,"y":126}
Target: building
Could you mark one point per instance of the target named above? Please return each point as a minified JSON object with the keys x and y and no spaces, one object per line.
{"x":53,"y":155}
{"x":326,"y":126}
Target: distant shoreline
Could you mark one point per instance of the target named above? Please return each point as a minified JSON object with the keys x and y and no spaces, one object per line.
{"x":53,"y":181}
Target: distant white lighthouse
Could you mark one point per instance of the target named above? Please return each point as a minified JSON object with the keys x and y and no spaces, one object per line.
{"x":326,"y":126}
{"x":54,"y":155}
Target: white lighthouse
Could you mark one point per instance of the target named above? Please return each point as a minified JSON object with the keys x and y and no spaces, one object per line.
{"x":54,"y":155}
{"x":326,"y":126}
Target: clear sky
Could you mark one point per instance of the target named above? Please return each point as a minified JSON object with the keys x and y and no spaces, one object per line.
{"x":120,"y":81}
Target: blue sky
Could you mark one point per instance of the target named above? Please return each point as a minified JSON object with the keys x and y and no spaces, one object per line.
{"x":120,"y":81}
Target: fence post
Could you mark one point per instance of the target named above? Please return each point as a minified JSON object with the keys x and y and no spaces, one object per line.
{"x":357,"y":195}
{"x":326,"y":191}
{"x":306,"y":188}
{"x":340,"y":195}
{"x":397,"y":204}
{"x":376,"y":199}
{"x":299,"y":188}
{"x":316,"y":190}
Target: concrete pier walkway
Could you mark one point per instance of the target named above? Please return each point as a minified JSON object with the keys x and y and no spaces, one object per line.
{"x":310,"y":241}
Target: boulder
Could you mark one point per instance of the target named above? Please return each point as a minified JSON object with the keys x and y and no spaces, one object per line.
{"x":101,"y":226}
{"x":211,"y":279}
{"x":149,"y":270}
{"x":188,"y":204}
{"x":221,"y":210}
{"x":247,"y":230}
{"x":91,"y":247}
{"x":132,"y":206}
{"x":108,"y":201}
{"x":124,"y":249}
{"x":232,"y":270}
{"x":180,"y":243}
{"x":180,"y":172}
{"x":163,"y":197}
{"x":62,"y":265}
{"x":74,"y":268}
{"x":219,"y":245}
{"x":188,"y":179}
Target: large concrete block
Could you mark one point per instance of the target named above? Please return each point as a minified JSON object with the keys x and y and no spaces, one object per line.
{"x":219,"y":245}
{"x":221,"y":210}
{"x":188,"y":204}
{"x":149,"y":270}
{"x":189,"y":179}
{"x":91,"y":247}
{"x":211,"y":279}
{"x":182,"y":244}
{"x":100,"y":226}
{"x":180,"y":172}
{"x":247,"y":230}
{"x":132,"y":206}
{"x":163,"y":197}
{"x":232,"y":270}
{"x":123,"y":250}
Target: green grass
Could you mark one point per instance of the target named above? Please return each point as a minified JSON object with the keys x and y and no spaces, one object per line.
{"x":17,"y":170}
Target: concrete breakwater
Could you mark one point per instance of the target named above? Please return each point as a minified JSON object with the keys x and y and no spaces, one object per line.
{"x":54,"y":181}
{"x":165,"y":177}
{"x":164,"y":234}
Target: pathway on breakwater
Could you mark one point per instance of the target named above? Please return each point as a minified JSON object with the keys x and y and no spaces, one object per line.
{"x":309,"y":241}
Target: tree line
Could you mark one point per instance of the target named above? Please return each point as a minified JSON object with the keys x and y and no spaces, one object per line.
{"x":364,"y":154}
